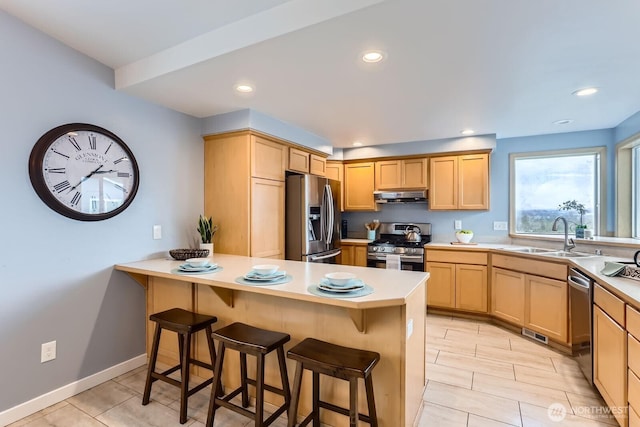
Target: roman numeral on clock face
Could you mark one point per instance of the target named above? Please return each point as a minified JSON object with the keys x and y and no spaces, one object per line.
{"x":124,"y":174}
{"x":116,"y":161}
{"x":92,"y":142}
{"x":63,"y":155}
{"x":119,"y":187}
{"x":76,"y":198}
{"x":61,"y":186}
{"x":75,"y":144}
{"x":57,"y":170}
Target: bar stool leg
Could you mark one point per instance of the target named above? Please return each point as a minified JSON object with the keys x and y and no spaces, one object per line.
{"x":260,"y":391}
{"x":216,"y":387}
{"x":243,"y":380}
{"x":152,"y":365}
{"x":295,"y":396}
{"x":283,"y":376}
{"x":353,"y":402}
{"x":316,"y":399}
{"x":212,"y":351}
{"x":184,"y":374}
{"x":371,"y":403}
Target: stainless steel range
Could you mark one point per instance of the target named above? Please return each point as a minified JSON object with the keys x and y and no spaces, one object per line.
{"x":404,"y":239}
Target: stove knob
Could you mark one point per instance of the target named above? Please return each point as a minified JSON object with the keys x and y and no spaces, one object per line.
{"x":411,"y":251}
{"x":375,"y":249}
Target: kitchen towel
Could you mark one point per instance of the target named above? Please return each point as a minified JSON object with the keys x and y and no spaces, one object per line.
{"x":612,"y":268}
{"x":393,"y":262}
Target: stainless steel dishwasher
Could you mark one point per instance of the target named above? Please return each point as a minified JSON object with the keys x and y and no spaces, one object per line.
{"x":580,"y":304}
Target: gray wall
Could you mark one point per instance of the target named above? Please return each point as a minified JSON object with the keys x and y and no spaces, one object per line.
{"x":56,"y":274}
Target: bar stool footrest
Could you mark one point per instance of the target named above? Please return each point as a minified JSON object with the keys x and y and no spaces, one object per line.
{"x":341,"y":410}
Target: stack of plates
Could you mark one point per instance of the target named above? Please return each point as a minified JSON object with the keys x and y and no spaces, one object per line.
{"x":255,"y":277}
{"x":351,"y":286}
{"x":188,"y":268}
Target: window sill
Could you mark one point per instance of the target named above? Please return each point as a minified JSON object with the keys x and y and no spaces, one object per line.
{"x":624,"y":242}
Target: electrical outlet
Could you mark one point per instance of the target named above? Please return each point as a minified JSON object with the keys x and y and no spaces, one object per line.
{"x":48,"y":351}
{"x":157,"y":232}
{"x":500,"y":225}
{"x":457,"y":224}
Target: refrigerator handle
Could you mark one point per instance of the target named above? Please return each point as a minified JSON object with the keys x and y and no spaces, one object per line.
{"x":331,"y":215}
{"x":323,"y":215}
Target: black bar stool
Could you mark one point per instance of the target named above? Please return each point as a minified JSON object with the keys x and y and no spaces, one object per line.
{"x":346,"y":363}
{"x":257,"y":342}
{"x":184,"y":323}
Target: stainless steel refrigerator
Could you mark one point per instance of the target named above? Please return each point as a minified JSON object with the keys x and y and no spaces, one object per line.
{"x":312,"y":219}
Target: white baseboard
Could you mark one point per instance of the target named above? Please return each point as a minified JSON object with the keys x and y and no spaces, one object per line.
{"x":37,"y":404}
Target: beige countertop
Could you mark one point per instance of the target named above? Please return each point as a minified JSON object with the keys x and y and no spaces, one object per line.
{"x":391,"y":287}
{"x":356,"y":241}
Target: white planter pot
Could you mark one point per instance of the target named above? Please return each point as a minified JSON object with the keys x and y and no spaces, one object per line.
{"x":207,"y":246}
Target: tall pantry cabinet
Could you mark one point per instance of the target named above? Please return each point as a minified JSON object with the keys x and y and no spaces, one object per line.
{"x":244,"y":192}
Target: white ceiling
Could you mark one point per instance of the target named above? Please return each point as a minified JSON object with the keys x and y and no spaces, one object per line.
{"x":498,"y":66}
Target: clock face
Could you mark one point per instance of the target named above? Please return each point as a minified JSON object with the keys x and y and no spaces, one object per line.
{"x":83,"y":172}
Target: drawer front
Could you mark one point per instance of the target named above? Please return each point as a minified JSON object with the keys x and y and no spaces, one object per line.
{"x":610,"y":303}
{"x":633,"y":351}
{"x":634,"y":418}
{"x":457,"y":257}
{"x":531,"y":266}
{"x":633,"y":323}
{"x":634,"y":390}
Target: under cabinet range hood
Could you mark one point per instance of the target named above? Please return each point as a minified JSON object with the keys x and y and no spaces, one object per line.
{"x":418,"y":196}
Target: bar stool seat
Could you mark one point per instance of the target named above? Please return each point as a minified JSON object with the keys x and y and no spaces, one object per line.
{"x":185,"y":324}
{"x":336,"y":361}
{"x":257,"y":342}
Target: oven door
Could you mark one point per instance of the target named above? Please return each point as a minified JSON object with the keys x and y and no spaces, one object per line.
{"x":407,"y":262}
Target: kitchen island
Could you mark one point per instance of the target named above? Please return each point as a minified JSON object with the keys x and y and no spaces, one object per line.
{"x":391,"y":321}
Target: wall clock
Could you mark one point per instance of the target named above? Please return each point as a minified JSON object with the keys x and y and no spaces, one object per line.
{"x":83,"y":172}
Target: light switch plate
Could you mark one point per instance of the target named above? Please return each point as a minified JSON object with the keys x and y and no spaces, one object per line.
{"x":500,"y":225}
{"x":157,"y":232}
{"x":457,"y":224}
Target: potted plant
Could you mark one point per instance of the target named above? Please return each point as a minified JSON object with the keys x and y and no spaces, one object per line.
{"x":207,"y":230}
{"x":464,"y":236}
{"x":579,"y":207}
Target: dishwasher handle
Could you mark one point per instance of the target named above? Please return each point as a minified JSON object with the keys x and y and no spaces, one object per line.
{"x":578,"y":283}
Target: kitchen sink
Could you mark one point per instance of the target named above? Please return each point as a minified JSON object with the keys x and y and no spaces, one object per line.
{"x":564,"y":254}
{"x":532,"y":250}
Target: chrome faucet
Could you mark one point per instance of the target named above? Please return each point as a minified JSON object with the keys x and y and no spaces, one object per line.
{"x":568,"y":243}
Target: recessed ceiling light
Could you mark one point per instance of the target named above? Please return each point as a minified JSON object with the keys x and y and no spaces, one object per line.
{"x":586,"y":91}
{"x":357,"y":144}
{"x":563,"y":122}
{"x":244,"y":88}
{"x":467,"y":132}
{"x":372,"y":56}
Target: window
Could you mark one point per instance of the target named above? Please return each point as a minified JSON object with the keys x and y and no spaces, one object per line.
{"x":635,"y":193}
{"x":542,"y":182}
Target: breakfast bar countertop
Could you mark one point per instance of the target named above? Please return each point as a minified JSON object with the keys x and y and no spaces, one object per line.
{"x":391,"y":287}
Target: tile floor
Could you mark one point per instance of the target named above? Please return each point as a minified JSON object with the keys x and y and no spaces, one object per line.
{"x":478,"y":375}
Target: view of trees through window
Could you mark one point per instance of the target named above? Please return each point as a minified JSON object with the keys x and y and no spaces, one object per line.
{"x":550,"y":186}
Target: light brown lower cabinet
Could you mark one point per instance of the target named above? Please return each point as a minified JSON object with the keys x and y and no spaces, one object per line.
{"x":457,"y":285}
{"x":354,"y":254}
{"x":610,"y":369}
{"x":534,"y":302}
{"x":507,"y":295}
{"x":546,"y":307}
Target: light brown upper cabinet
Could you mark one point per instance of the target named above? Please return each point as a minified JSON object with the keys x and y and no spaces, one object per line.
{"x":268,"y":158}
{"x":401,"y":174}
{"x":359,"y":184}
{"x":305,"y":162}
{"x":334,"y":170}
{"x":459,"y":182}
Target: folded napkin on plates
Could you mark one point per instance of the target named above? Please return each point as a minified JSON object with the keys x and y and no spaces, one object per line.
{"x":612,"y":268}
{"x":276,"y":275}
